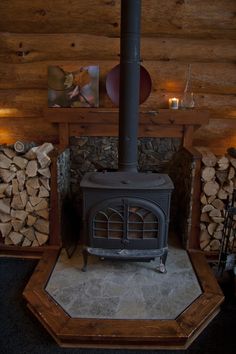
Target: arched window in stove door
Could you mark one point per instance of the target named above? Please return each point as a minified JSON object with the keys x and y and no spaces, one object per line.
{"x":142,"y":223}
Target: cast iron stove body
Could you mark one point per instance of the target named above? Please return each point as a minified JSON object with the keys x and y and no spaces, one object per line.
{"x":126,"y":213}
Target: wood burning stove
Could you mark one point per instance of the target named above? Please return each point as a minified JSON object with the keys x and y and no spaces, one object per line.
{"x":126,"y":213}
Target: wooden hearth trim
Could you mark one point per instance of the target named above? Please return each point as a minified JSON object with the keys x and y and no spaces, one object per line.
{"x":25,"y":252}
{"x":148,"y":334}
{"x":193,"y":238}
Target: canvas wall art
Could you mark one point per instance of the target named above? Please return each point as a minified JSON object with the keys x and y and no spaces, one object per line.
{"x":73,"y":86}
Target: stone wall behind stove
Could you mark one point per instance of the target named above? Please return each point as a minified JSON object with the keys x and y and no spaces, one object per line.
{"x":101,"y":153}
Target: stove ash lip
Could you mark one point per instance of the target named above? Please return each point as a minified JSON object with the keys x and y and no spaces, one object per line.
{"x":127,"y":180}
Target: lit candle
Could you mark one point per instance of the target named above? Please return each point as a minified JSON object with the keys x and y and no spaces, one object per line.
{"x":173,"y":103}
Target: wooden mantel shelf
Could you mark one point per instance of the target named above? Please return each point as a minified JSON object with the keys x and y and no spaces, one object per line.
{"x":104,"y":122}
{"x":110,"y":116}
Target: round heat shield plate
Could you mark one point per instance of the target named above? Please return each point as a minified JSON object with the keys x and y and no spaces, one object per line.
{"x":113,"y":84}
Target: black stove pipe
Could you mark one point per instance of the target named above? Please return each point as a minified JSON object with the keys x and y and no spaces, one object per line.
{"x":129,"y":84}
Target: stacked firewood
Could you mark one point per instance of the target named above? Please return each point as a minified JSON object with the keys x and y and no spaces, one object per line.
{"x":218,"y":182}
{"x":24,"y":195}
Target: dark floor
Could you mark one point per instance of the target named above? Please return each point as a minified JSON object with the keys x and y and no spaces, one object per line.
{"x":21,"y":333}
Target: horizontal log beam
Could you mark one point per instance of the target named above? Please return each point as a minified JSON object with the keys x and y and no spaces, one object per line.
{"x":217,"y":78}
{"x":29,"y":129}
{"x":219,"y":134}
{"x":31,"y":103}
{"x":179,"y":18}
{"x":28,"y":47}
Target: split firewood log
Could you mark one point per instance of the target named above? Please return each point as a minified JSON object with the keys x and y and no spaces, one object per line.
{"x":228,"y":187}
{"x":19,"y":214}
{"x":45,"y":182}
{"x":17,"y":224}
{"x":222,"y":194}
{"x":211,"y":198}
{"x":205,"y":218}
{"x":215,"y":245}
{"x":5,"y":229}
{"x":211,"y":188}
{"x":5,"y":162}
{"x":222,"y":176}
{"x":208,"y":173}
{"x":32,"y":168}
{"x":4,"y":206}
{"x":43,"y":192}
{"x":203,"y":198}
{"x":217,"y":219}
{"x":15,"y":186}
{"x":42,"y":226}
{"x":35,"y":200}
{"x":8,"y":241}
{"x":41,"y":205}
{"x":208,"y":158}
{"x":43,"y":213}
{"x":233,"y":162}
{"x":231,"y":172}
{"x":31,"y":220}
{"x":204,"y":239}
{"x":41,"y":238}
{"x":211,"y":228}
{"x":3,"y":187}
{"x":218,"y":204}
{"x":31,"y":191}
{"x":220,"y":227}
{"x":8,"y":191}
{"x":9,"y":152}
{"x":17,"y":203}
{"x":45,"y":172}
{"x":206,"y":208}
{"x":33,"y":182}
{"x":26,"y":242}
{"x":222,"y":163}
{"x":16,"y":237}
{"x":215,"y":213}
{"x":6,"y":175}
{"x":218,"y":234}
{"x":35,"y":243}
{"x":28,"y":232}
{"x":21,"y":162}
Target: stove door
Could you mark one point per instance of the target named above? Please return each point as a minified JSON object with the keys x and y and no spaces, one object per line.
{"x":131,"y":223}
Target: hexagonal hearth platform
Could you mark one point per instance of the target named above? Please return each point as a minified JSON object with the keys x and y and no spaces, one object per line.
{"x":124,"y":305}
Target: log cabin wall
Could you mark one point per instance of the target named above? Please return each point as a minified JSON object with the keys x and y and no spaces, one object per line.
{"x":36,"y":34}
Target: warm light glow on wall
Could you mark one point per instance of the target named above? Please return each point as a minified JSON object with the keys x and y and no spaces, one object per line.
{"x":5,"y":136}
{"x":172,"y":86}
{"x":8,"y":112}
{"x":232,"y":114}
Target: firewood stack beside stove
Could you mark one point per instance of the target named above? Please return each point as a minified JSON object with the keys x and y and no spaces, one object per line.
{"x":24,"y":195}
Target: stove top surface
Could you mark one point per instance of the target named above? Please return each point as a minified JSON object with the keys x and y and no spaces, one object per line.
{"x":126,"y":180}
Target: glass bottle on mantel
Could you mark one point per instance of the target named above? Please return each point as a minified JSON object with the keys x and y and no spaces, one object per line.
{"x":187,"y":100}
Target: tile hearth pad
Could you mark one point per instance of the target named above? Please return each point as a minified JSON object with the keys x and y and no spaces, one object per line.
{"x":124,"y":290}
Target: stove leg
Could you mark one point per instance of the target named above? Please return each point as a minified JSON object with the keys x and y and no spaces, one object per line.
{"x":162,"y":266}
{"x":85,"y":258}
